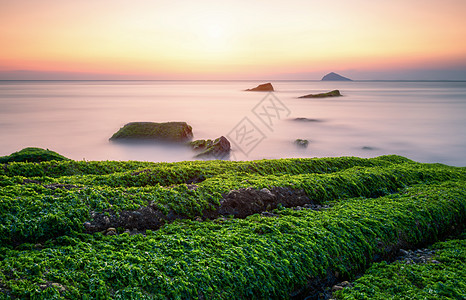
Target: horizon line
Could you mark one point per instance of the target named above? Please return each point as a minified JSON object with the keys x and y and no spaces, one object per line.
{"x":270,"y":80}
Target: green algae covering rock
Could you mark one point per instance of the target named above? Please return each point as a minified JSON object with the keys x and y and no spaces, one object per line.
{"x":150,"y":131}
{"x":218,"y":148}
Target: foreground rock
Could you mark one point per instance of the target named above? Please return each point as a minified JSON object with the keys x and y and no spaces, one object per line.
{"x":218,"y":148}
{"x":266,"y":87}
{"x":238,"y":203}
{"x":334,"y":93}
{"x":245,"y":202}
{"x":32,"y":154}
{"x":334,"y":77}
{"x":169,"y":131}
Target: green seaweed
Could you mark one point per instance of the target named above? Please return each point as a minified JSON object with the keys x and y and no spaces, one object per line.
{"x":375,"y":205}
{"x":441,"y":278}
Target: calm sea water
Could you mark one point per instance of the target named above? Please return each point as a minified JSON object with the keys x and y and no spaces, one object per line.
{"x":424,"y":121}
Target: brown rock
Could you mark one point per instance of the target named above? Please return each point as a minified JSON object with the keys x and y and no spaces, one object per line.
{"x":266,"y":87}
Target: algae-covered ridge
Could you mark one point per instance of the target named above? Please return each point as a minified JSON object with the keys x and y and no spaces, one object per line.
{"x":441,"y":277}
{"x":372,"y":207}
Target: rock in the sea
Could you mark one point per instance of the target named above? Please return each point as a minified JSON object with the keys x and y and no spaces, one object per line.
{"x":266,"y":87}
{"x":169,"y":131}
{"x":218,"y":148}
{"x":334,"y":77}
{"x":334,"y":93}
{"x":368,"y":148}
{"x":301,"y":143}
{"x":306,"y":120}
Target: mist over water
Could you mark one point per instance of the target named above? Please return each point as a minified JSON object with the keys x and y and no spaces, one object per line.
{"x":424,"y":121}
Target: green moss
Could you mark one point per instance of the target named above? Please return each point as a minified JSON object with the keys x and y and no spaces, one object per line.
{"x":376,"y":204}
{"x":170,"y":131}
{"x":443,"y":278}
{"x":255,"y":258}
{"x":32,"y":154}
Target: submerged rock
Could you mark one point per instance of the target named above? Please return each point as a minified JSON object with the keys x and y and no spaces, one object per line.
{"x":306,"y":120}
{"x":169,"y":131}
{"x":334,"y":77}
{"x":301,"y":143}
{"x":266,"y":87}
{"x":334,"y":93}
{"x":368,"y":148}
{"x":218,"y":148}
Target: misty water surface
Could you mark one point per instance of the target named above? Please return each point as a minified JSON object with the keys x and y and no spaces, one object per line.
{"x":424,"y":121}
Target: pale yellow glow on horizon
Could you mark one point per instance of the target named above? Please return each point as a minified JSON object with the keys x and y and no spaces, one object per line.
{"x":229,"y":37}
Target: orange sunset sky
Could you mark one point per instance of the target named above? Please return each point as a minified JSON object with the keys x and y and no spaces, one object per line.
{"x":150,"y":39}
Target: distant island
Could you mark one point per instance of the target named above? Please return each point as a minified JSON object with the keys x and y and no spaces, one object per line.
{"x":334,"y":77}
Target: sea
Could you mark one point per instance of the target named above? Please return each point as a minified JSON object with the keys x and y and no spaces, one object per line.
{"x":424,"y":121}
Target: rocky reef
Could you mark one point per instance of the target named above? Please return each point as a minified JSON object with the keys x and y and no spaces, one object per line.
{"x":334,"y":93}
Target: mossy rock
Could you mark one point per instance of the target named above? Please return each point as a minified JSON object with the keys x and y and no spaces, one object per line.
{"x":169,"y":131}
{"x":218,"y":148}
{"x":301,"y":143}
{"x":334,"y":93}
{"x":32,"y":154}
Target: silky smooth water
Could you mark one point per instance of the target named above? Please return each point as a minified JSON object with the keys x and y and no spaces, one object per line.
{"x":424,"y":121}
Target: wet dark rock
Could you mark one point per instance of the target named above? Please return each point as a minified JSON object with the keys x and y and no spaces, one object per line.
{"x":418,"y":256}
{"x":268,"y":214}
{"x":334,"y":93}
{"x":317,"y":207}
{"x":150,"y":131}
{"x":266,"y":87}
{"x":337,"y":288}
{"x":244,"y":202}
{"x":111,"y":231}
{"x":26,"y":181}
{"x":403,"y":252}
{"x":52,"y":186}
{"x":237,"y":203}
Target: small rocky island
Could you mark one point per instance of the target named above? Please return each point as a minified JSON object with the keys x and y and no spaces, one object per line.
{"x":150,"y":131}
{"x":334,"y":93}
{"x":266,"y":87}
{"x":334,"y":77}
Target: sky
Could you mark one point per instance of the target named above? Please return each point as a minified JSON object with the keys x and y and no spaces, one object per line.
{"x":177,"y":39}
